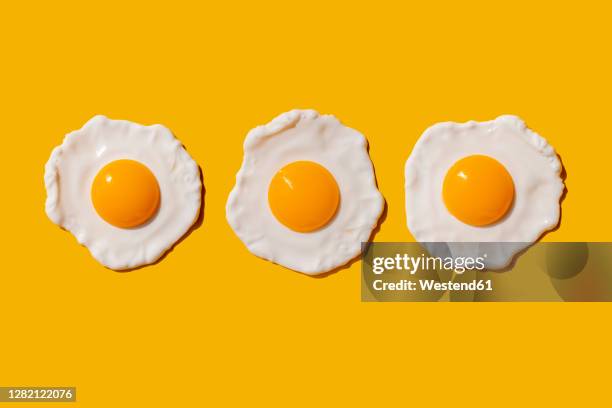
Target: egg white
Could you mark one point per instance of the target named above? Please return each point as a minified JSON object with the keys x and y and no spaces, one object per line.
{"x":70,"y":171}
{"x":305,"y":135}
{"x":530,"y":160}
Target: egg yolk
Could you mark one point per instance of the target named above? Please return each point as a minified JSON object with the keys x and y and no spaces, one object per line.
{"x":303,"y":196}
{"x":478,"y":190}
{"x":125,"y":193}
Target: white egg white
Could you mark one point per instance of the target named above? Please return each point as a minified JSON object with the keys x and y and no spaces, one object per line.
{"x":530,"y":160}
{"x":70,"y":171}
{"x":305,"y":135}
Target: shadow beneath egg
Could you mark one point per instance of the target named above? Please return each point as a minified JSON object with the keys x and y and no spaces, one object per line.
{"x":197,"y":224}
{"x":365,"y":245}
{"x":515,"y":258}
{"x":563,"y":176}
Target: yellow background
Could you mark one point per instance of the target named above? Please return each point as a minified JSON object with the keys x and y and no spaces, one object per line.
{"x":214,"y":325}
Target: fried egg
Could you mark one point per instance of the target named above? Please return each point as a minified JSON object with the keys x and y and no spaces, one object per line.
{"x":495,"y":184}
{"x":306,"y":194}
{"x":127,"y":192}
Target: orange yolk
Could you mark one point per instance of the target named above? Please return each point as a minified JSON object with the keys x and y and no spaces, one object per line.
{"x":478,"y":190}
{"x":303,"y":196}
{"x":125,"y":193}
